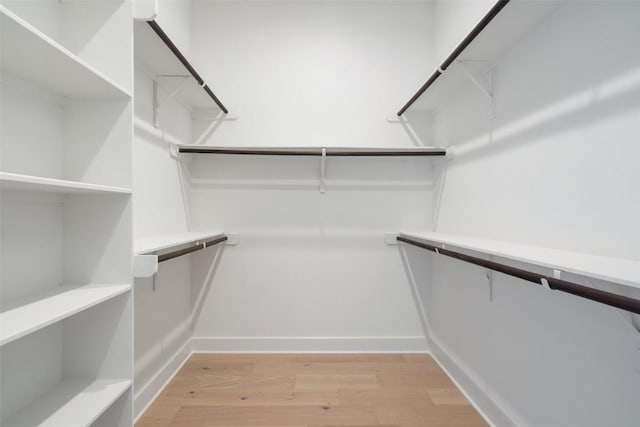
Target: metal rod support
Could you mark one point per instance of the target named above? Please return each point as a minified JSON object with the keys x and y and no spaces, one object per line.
{"x":603,"y":297}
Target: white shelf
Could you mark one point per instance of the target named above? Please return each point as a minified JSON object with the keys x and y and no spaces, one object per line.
{"x":14,"y":181}
{"x":37,"y":313}
{"x":158,"y":243}
{"x":75,"y":402}
{"x":615,"y":270}
{"x":315,"y":151}
{"x":25,"y":49}
{"x":513,"y":22}
{"x":155,"y":56}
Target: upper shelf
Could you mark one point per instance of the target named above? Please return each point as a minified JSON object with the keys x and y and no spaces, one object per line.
{"x":614,"y":270}
{"x":155,"y":50}
{"x":14,"y":181}
{"x":501,"y":28}
{"x":24,"y":49}
{"x":315,"y":151}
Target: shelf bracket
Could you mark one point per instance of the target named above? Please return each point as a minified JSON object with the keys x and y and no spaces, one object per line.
{"x":490,"y":280}
{"x":216,"y":119}
{"x":481,"y":75}
{"x":157,"y":103}
{"x":323,"y":171}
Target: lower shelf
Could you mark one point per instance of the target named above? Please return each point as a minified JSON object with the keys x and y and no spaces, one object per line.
{"x":77,"y":402}
{"x":60,"y":303}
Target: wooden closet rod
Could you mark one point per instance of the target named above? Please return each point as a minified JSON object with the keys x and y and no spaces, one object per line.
{"x":500,"y":4}
{"x":335,"y":152}
{"x":603,"y":297}
{"x":198,"y":246}
{"x":174,"y":49}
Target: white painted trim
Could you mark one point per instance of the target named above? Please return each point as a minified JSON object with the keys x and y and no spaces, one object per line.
{"x":149,"y":392}
{"x":407,"y":344}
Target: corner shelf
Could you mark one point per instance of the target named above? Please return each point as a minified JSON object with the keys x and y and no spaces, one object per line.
{"x":74,"y":402}
{"x":146,"y":250}
{"x":24,"y":50}
{"x":614,"y":270}
{"x":58,"y":304}
{"x":500,"y":29}
{"x":14,"y":181}
{"x":155,"y":50}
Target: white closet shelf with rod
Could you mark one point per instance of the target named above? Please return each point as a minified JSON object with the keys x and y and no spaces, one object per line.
{"x":169,"y":66}
{"x":77,"y":402}
{"x":472,"y":59}
{"x":24,"y":48}
{"x":150,"y":251}
{"x":19,"y":182}
{"x":315,"y":151}
{"x":614,"y":270}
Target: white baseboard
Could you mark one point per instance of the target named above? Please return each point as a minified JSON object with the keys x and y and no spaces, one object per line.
{"x":410,"y":344}
{"x":491,"y":411}
{"x":146,"y":394}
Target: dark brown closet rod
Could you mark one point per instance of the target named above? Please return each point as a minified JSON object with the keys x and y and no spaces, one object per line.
{"x":173,"y":48}
{"x":456,"y":52}
{"x":608,"y":298}
{"x":198,"y":246}
{"x":311,"y":152}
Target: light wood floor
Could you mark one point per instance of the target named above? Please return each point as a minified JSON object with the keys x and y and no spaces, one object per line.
{"x":390,"y":390}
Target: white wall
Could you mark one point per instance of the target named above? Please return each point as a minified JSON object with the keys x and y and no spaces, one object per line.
{"x":556,"y":168}
{"x":313,"y":72}
{"x":453,"y":19}
{"x":311,"y":271}
{"x":163,"y":310}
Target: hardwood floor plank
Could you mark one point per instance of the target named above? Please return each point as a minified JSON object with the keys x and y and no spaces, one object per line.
{"x":312,"y":382}
{"x":341,"y":368}
{"x":249,"y":397}
{"x":158,"y":416}
{"x":384,"y":396}
{"x":350,"y":358}
{"x":190,"y":416}
{"x":238,"y":382}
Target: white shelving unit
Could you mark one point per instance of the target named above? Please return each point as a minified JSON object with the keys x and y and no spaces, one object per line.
{"x":614,"y":270}
{"x":65,"y":180}
{"x":513,"y":22}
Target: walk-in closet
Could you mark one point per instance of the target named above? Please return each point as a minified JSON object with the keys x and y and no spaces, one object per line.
{"x":308,"y":213}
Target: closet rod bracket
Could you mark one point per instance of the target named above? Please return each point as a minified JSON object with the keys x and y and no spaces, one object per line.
{"x":157,"y":102}
{"x":490,"y":282}
{"x":323,"y":171}
{"x":481,"y":74}
{"x":145,"y":265}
